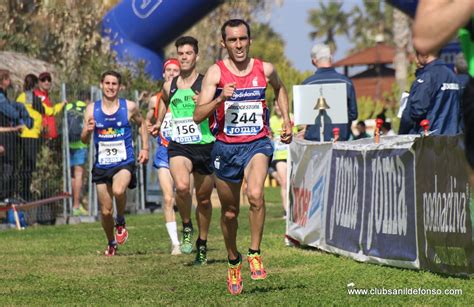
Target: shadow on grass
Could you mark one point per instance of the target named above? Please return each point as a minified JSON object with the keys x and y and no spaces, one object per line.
{"x":274,"y":288}
{"x":462,"y":276}
{"x":209,"y":262}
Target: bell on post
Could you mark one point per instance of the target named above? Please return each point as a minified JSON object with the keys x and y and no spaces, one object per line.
{"x":321,"y":104}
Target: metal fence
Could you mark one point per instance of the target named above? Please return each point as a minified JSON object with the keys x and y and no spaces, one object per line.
{"x":35,"y":171}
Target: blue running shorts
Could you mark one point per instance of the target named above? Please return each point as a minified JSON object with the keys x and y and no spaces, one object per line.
{"x":230,"y":160}
{"x":78,"y":156}
{"x":161,"y":159}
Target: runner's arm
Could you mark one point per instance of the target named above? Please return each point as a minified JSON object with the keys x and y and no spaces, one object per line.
{"x":89,"y":124}
{"x":163,"y":105}
{"x":281,"y":96}
{"x":150,"y":114}
{"x":206,"y":103}
{"x":137,"y":117}
{"x":437,"y":22}
{"x":151,"y":109}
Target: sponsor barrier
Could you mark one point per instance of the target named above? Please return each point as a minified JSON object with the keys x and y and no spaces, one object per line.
{"x":403,"y":202}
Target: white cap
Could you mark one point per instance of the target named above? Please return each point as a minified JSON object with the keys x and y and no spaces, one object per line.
{"x":321,"y":52}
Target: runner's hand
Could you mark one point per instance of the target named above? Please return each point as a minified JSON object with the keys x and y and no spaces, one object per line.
{"x":228,"y":90}
{"x":155,"y":129}
{"x":195,"y":97}
{"x":149,"y":125}
{"x":286,"y":134}
{"x":90,"y":125}
{"x":143,"y":156}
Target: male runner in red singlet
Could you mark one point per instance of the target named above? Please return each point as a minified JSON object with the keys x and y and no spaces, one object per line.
{"x":234,"y":89}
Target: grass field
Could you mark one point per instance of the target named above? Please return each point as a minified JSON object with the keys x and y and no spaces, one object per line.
{"x":64,"y":265}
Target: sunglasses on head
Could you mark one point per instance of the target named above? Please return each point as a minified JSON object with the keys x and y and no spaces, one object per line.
{"x":45,"y":79}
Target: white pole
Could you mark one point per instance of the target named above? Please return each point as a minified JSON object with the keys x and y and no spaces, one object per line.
{"x":321,"y":131}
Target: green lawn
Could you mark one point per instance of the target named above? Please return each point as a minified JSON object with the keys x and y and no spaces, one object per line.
{"x":64,"y":265}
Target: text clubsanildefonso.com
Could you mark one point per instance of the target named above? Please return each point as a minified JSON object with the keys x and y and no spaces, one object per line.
{"x":352,"y":290}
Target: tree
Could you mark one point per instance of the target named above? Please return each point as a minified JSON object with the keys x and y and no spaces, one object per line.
{"x":329,"y":21}
{"x":64,"y":33}
{"x":402,"y":39}
{"x":269,"y":46}
{"x":208,"y":30}
{"x":371,"y":23}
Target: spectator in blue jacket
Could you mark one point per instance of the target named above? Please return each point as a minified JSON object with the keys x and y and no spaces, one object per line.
{"x":9,"y":117}
{"x":321,"y":58}
{"x":434,"y":95}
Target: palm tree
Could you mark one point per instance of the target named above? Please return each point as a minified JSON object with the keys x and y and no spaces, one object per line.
{"x":371,"y":24}
{"x":329,"y":21}
{"x":401,"y":35}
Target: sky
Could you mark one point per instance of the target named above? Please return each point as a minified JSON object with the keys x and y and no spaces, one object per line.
{"x":290,"y":21}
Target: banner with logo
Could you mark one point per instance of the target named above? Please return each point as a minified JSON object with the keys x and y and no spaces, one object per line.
{"x":402,"y":202}
{"x":307,"y":177}
{"x":443,"y":205}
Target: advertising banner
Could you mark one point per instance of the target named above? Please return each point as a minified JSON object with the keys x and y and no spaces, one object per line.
{"x":404,"y":202}
{"x":443,"y":205}
{"x":307,"y":190}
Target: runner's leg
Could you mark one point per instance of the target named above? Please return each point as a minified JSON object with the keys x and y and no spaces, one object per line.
{"x":255,"y":174}
{"x":166,"y":184}
{"x":104,"y":195}
{"x":282,"y":168}
{"x":120,"y":183}
{"x":180,"y":168}
{"x":204,"y":185}
{"x":77,"y":186}
{"x":229,"y":196}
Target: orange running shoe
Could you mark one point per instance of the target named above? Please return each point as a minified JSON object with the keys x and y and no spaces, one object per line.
{"x":121,"y":234}
{"x":111,"y":250}
{"x":257,"y":272}
{"x":234,"y":278}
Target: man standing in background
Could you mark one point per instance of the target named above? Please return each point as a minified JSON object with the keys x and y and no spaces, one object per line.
{"x":322,"y":59}
{"x":434,"y":95}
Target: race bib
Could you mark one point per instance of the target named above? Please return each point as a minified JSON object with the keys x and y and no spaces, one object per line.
{"x":243,"y":118}
{"x":112,"y":152}
{"x":185,"y":131}
{"x":166,"y":128}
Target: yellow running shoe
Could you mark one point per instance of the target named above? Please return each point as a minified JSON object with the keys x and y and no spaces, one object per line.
{"x":257,"y":272}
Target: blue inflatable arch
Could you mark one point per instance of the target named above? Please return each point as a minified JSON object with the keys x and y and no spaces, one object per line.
{"x":140,"y":29}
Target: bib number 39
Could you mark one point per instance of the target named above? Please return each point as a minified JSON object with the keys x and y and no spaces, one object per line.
{"x":112,"y":152}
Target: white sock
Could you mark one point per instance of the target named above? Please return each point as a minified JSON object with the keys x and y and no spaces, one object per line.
{"x":173,"y":232}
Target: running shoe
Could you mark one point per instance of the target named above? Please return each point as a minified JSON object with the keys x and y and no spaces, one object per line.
{"x":201,"y":255}
{"x":234,"y":278}
{"x":79,"y":211}
{"x":175,"y":250}
{"x":121,"y":234}
{"x":187,"y":244}
{"x":111,"y":250}
{"x":257,"y":272}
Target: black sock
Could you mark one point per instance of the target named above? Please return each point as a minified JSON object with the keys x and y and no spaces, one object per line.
{"x":112,"y":242}
{"x":120,"y":220}
{"x":252,"y":251}
{"x":235,"y":261}
{"x":200,"y":242}
{"x":188,"y":224}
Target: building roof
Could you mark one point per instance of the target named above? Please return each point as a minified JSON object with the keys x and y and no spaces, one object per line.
{"x":373,"y":87}
{"x":379,"y":54}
